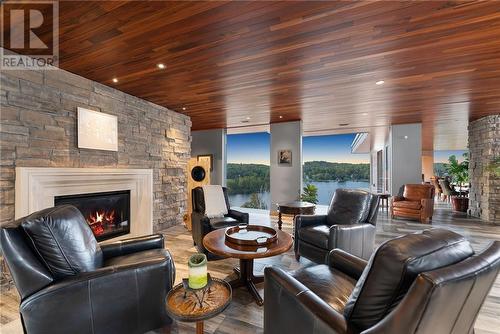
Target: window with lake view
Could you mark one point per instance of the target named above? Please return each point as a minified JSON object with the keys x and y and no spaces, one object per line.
{"x":248,"y":170}
{"x":329,"y":164}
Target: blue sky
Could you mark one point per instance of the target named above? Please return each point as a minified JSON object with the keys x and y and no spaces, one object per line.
{"x":248,"y":148}
{"x":254,"y":148}
{"x":442,"y":156}
{"x":334,"y":148}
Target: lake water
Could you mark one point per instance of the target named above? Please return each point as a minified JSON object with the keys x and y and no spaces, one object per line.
{"x":325,"y":192}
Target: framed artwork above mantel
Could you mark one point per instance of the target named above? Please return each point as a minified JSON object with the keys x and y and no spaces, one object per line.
{"x":97,"y":130}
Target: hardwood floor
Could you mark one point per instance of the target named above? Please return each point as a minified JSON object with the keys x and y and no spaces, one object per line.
{"x":244,"y":316}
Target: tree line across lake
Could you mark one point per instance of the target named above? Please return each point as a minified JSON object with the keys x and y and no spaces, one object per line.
{"x":254,"y":178}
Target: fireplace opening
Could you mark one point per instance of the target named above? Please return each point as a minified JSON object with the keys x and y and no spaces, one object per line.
{"x":107,"y":213}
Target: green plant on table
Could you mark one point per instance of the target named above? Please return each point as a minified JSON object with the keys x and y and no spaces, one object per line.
{"x":310,"y":193}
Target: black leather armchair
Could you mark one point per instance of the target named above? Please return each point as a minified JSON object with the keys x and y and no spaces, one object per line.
{"x":349,"y":225}
{"x":69,"y":283}
{"x":423,"y":283}
{"x":201,"y":225}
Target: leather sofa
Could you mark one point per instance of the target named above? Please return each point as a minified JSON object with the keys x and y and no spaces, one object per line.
{"x":201,"y":225}
{"x":417,"y":202}
{"x":423,"y":283}
{"x":348,"y":225}
{"x":69,"y":283}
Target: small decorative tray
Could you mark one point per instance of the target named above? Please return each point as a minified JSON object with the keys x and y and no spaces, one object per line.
{"x":251,"y":235}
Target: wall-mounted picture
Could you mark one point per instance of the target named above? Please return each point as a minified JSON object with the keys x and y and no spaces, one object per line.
{"x":284,"y":157}
{"x":97,"y":130}
{"x":207,"y":156}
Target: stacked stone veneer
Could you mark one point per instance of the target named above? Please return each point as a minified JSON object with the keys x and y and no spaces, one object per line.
{"x":39,"y":129}
{"x":484,"y":147}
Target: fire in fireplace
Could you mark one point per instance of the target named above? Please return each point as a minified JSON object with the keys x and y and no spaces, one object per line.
{"x":107,"y":213}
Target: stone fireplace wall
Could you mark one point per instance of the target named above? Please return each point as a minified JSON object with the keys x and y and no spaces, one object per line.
{"x":484,"y":147}
{"x":39,"y":129}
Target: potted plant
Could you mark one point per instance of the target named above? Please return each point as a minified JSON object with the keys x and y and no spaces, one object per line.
{"x":310,"y":194}
{"x":459,"y":172}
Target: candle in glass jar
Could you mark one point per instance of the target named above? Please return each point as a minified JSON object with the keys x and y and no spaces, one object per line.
{"x":197,"y":271}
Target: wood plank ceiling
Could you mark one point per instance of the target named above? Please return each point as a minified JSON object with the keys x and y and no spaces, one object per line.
{"x":279,"y":61}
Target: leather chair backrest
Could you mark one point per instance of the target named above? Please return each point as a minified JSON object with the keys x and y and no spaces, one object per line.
{"x":416,"y":192}
{"x":445,"y":186}
{"x":198,"y":199}
{"x":445,"y":300}
{"x":435,"y":183}
{"x":349,"y":206}
{"x":393,"y":268}
{"x":63,"y":241}
{"x":28,"y":272}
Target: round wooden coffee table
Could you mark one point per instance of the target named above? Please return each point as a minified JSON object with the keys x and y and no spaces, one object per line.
{"x":198,"y":305}
{"x":215,"y":243}
{"x":295,"y":208}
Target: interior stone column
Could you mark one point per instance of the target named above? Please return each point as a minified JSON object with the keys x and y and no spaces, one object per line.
{"x":484,"y":147}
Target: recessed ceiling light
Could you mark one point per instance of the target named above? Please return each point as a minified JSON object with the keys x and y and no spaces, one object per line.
{"x":406,"y":137}
{"x":161,"y":66}
{"x":364,"y":114}
{"x":115,"y":80}
{"x":248,"y":118}
{"x":183,"y":108}
{"x":380,"y":82}
{"x":281,"y":117}
{"x":343,"y":124}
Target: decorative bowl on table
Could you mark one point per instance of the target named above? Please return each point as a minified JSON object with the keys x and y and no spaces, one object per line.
{"x":251,"y":235}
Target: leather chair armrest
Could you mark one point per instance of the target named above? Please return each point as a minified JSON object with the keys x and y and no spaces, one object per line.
{"x":200,"y":226}
{"x":242,"y":217}
{"x":309,"y":220}
{"x":397,"y":198}
{"x":356,"y":239}
{"x":290,"y":307}
{"x":304,"y":221}
{"x":124,"y":298}
{"x":132,"y":245}
{"x":428,"y":205}
{"x":347,"y":263}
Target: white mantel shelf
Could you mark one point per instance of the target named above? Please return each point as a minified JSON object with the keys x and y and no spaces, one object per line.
{"x":36,"y":188}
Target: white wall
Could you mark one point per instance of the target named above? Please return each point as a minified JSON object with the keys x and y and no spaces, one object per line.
{"x":286,"y":181}
{"x":405,"y":155}
{"x":211,"y":142}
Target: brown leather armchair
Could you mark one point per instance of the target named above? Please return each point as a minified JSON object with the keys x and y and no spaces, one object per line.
{"x":417,"y":202}
{"x":422,"y":283}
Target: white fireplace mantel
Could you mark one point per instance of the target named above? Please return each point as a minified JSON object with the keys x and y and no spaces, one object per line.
{"x":36,"y":188}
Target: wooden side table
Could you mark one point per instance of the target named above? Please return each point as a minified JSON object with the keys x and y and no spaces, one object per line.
{"x":215,"y":242}
{"x":384,"y":200}
{"x":295,"y":208}
{"x":199,"y":305}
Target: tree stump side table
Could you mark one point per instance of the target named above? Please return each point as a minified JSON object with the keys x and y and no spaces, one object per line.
{"x":198,"y":305}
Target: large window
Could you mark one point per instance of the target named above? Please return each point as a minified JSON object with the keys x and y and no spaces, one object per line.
{"x":248,"y":170}
{"x":441,"y":159}
{"x":329,"y":164}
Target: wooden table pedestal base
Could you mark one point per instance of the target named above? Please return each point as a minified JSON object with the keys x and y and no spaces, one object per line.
{"x":248,"y":279}
{"x":199,"y":327}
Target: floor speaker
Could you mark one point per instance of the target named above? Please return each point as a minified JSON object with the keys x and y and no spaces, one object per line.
{"x":198,"y":175}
